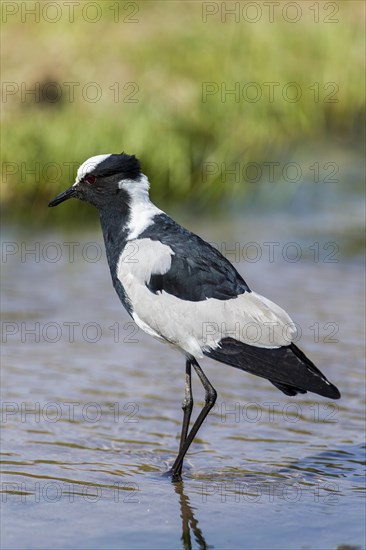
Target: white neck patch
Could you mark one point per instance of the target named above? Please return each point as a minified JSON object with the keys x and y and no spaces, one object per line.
{"x":142,"y":209}
{"x":89,"y":165}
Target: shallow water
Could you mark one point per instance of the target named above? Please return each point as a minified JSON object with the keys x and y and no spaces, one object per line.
{"x":91,"y":406}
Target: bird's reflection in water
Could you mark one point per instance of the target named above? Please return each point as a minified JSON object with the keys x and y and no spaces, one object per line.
{"x":189,"y":522}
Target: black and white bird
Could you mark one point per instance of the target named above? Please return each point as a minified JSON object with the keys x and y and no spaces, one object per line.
{"x":182,"y":291}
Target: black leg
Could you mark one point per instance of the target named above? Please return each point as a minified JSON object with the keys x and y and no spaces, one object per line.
{"x":210,"y":398}
{"x":187,"y":404}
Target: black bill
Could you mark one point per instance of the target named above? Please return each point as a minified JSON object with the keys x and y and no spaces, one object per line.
{"x":70,"y":192}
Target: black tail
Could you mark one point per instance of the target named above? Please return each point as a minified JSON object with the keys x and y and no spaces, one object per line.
{"x":287,"y":367}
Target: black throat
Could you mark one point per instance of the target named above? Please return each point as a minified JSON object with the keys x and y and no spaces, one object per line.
{"x":114,"y":218}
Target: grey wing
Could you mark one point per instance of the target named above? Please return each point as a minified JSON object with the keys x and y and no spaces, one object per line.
{"x":197,"y":271}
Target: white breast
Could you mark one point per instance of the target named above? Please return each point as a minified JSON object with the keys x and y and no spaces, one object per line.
{"x":196,"y":326}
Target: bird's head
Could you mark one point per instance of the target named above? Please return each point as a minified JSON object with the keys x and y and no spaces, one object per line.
{"x":101,"y":178}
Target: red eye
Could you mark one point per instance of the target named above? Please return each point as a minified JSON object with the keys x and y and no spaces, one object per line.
{"x":90,"y":179}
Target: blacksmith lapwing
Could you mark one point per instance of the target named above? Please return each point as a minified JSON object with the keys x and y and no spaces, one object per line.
{"x":183,"y":292}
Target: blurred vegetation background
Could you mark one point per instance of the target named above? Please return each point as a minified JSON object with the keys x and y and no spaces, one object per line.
{"x":149,"y":78}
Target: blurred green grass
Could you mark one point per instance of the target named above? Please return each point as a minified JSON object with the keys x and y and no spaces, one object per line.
{"x":168,"y":55}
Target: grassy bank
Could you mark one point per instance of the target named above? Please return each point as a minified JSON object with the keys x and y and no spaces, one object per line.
{"x":155,"y":79}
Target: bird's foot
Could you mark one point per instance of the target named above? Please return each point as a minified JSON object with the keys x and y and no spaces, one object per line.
{"x":173,"y":475}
